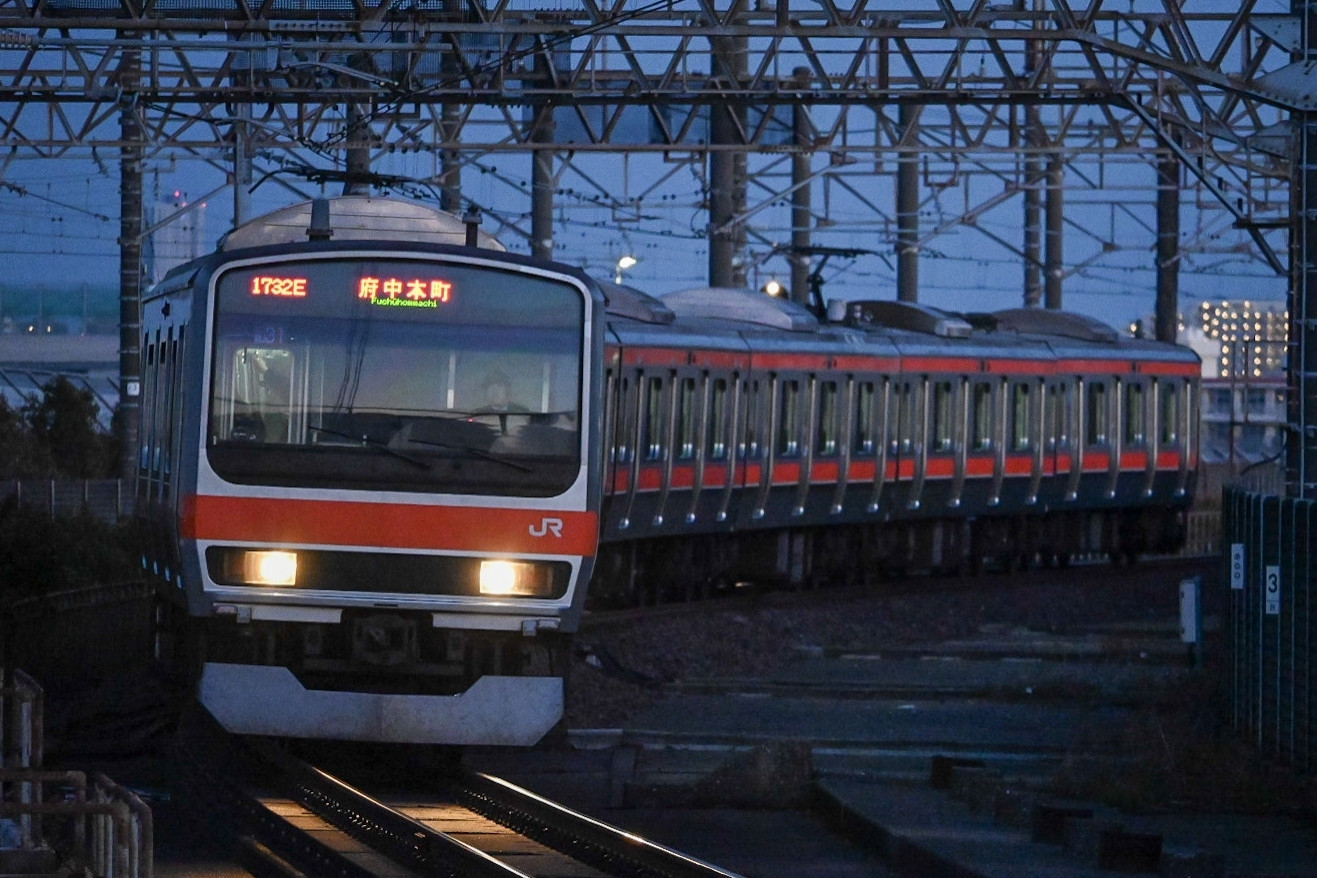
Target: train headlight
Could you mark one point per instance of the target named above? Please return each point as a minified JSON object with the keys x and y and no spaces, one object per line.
{"x":517,"y":578}
{"x":269,"y":568}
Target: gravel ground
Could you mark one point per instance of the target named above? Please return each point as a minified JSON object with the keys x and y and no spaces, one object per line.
{"x":1183,"y":754}
{"x":621,"y":658}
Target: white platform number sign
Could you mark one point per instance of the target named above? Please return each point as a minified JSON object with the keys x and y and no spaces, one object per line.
{"x":1272,"y":580}
{"x":1237,"y":566}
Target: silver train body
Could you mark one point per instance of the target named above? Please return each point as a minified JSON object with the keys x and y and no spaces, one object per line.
{"x":359,"y":540}
{"x":750,"y":440}
{"x":379,"y":467}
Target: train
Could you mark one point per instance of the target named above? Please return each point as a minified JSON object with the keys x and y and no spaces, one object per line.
{"x":384,"y":462}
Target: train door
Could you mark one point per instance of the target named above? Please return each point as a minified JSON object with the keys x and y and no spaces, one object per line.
{"x":1172,"y":428}
{"x":1097,"y":467}
{"x":1067,"y":423}
{"x":824,"y":477}
{"x":873,"y":418}
{"x":783,"y":403}
{"x":907,"y":444}
{"x":626,"y":444}
{"x":1025,"y":434}
{"x":721,"y":406}
{"x":1139,"y":443}
{"x":676,"y":425}
{"x":934,"y":461}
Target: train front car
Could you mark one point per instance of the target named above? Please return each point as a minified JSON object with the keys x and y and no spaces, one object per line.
{"x":393,"y":512}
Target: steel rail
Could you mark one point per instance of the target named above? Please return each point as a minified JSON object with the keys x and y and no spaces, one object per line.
{"x":591,"y":841}
{"x":398,"y":836}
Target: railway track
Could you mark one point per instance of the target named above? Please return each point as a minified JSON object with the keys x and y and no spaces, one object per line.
{"x":295,"y":819}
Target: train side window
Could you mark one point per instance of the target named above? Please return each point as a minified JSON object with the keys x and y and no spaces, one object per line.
{"x":1170,"y":412}
{"x":941,"y":432}
{"x":788,"y":425}
{"x":753,"y":422}
{"x":1058,"y":417}
{"x":626,"y":428}
{"x":653,"y":435}
{"x":1019,"y":417}
{"x":864,"y":399}
{"x":1095,"y":413}
{"x":717,"y":447}
{"x":981,"y":417}
{"x":686,"y":419}
{"x":829,"y":418}
{"x":905,"y":426}
{"x":1136,"y":418}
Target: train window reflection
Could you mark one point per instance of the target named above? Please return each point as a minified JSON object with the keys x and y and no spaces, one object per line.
{"x":1135,"y":416}
{"x":1170,"y":413}
{"x":686,"y":420}
{"x":1020,"y":419}
{"x":829,"y":415}
{"x":981,"y":417}
{"x":942,"y":428}
{"x":864,"y":437}
{"x":718,"y":419}
{"x":1095,"y":413}
{"x":788,"y":442}
{"x":653,"y":422}
{"x":330,"y":389}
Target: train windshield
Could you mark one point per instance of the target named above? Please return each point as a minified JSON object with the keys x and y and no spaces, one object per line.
{"x":396,"y":374}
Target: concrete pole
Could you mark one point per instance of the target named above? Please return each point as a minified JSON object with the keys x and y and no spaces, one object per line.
{"x":1167,"y":318}
{"x":1301,"y":369}
{"x":1055,"y":235}
{"x":358,"y":153}
{"x":542,"y":186}
{"x":801,"y":213}
{"x":727,"y":169}
{"x":130,"y":264}
{"x":907,"y":209}
{"x":450,"y":122}
{"x":242,"y":165}
{"x":1033,"y":209}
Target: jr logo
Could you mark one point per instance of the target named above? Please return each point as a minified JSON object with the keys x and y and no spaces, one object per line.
{"x":547,"y":526}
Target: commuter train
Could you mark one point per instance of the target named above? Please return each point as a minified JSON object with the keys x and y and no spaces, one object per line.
{"x":382,"y":461}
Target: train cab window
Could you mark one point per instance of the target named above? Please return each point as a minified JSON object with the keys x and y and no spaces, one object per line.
{"x":1095,"y":413}
{"x":378,"y":374}
{"x":653,"y":420}
{"x":941,"y":432}
{"x":1136,"y":418}
{"x":864,"y":410}
{"x":981,"y":417}
{"x":718,"y":419}
{"x":788,"y":425}
{"x":828,"y":420}
{"x":1020,"y":420}
{"x":686,"y":418}
{"x":1169,"y":412}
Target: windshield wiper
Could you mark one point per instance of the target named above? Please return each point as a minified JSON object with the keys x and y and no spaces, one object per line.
{"x":371,"y":443}
{"x":478,"y":452}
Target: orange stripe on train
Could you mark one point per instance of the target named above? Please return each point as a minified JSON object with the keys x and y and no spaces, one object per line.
{"x":389,"y":525}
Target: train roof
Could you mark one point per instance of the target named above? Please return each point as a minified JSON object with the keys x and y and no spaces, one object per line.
{"x":357,"y":218}
{"x":741,"y":306}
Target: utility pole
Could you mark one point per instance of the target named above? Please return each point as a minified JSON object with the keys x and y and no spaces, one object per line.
{"x":130,"y":264}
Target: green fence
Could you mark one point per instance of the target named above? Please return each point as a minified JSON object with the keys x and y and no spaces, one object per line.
{"x":1267,"y":543}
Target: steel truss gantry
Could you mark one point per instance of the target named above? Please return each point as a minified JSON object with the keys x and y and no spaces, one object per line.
{"x":902,"y":126}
